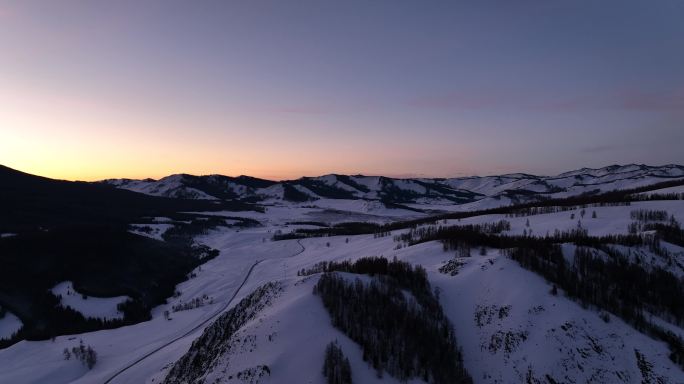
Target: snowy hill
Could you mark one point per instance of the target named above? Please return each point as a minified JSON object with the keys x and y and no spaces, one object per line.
{"x":467,"y":193}
{"x":185,"y":186}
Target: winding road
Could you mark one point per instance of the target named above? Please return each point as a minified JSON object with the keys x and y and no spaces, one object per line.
{"x":201,"y":324}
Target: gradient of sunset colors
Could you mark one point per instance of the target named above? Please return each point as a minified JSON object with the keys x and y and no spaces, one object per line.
{"x":283,"y":89}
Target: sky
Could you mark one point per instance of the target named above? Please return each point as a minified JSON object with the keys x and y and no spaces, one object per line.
{"x":283,"y":89}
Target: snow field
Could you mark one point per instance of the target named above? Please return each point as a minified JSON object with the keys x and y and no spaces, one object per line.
{"x":522,"y":329}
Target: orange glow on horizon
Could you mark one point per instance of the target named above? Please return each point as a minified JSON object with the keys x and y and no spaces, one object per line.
{"x":75,"y":138}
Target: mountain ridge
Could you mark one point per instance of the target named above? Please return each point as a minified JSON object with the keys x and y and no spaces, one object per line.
{"x":471,"y":192}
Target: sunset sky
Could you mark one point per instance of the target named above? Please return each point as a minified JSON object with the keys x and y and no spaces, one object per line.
{"x":283,"y":89}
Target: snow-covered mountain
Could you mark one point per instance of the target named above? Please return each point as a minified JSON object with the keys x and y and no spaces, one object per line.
{"x":212,"y":187}
{"x":418,"y":193}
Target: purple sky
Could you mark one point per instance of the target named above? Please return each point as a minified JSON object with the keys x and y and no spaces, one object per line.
{"x":282,"y":89}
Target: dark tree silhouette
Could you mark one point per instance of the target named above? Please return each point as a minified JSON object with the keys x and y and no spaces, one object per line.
{"x":336,"y":367}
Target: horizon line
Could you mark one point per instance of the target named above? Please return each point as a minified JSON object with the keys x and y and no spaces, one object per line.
{"x":404,"y":176}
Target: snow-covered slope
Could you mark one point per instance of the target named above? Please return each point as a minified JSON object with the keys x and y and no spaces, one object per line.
{"x":518,"y":332}
{"x":466,"y":193}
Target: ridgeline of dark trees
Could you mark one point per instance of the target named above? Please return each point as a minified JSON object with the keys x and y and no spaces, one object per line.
{"x":79,"y":231}
{"x":404,"y":335}
{"x":341,"y":229}
{"x":314,"y":223}
{"x":649,"y":215}
{"x":336,"y":367}
{"x":454,"y":236}
{"x":670,"y":233}
{"x":583,"y":201}
{"x":660,"y":196}
{"x":489,"y":234}
{"x":666,"y":226}
{"x":532,"y":211}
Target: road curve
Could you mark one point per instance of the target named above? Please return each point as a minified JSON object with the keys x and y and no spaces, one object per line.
{"x":196,"y":327}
